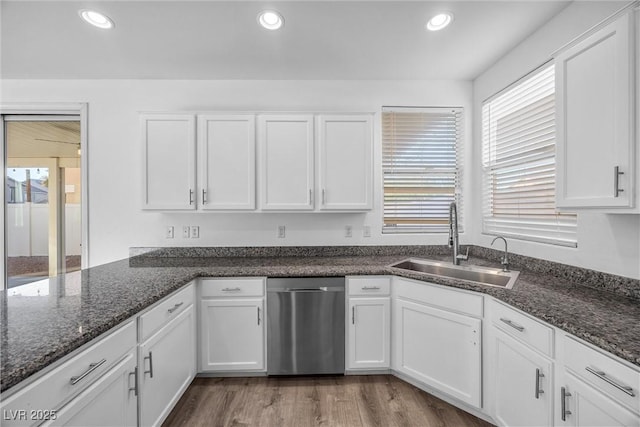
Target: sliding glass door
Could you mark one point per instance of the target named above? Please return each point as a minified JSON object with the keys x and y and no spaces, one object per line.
{"x":42,"y":196}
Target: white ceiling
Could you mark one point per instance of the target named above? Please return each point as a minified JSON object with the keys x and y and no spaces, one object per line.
{"x":351,"y":40}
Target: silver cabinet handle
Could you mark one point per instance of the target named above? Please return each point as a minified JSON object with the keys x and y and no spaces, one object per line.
{"x":204,"y":198}
{"x":230,"y":289}
{"x":323,"y":198}
{"x":603,"y":376}
{"x":310,"y":197}
{"x":135,"y":381}
{"x":150,"y":371}
{"x":371,"y":288}
{"x":175,"y":307}
{"x":512,"y":324}
{"x":616,"y":181}
{"x":190,"y":196}
{"x":92,"y":367}
{"x":353,"y":315}
{"x":258,"y":315}
{"x":538,"y":376}
{"x":563,"y":403}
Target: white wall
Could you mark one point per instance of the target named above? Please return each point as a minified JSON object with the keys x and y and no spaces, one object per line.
{"x":609,"y":243}
{"x":115,"y":218}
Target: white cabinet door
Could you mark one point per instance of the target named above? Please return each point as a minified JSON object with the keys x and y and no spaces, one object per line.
{"x":595,"y":120}
{"x":585,"y":406}
{"x":166,"y":367}
{"x":227,"y":162}
{"x":369,"y":333}
{"x":232,"y":335}
{"x":440,"y":348}
{"x":169,"y":161}
{"x":286,"y":166}
{"x":109,"y":401}
{"x":522,"y":383}
{"x":344,"y":161}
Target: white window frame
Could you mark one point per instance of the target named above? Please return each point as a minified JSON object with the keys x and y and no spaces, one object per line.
{"x":433,"y":188}
{"x":518,"y":163}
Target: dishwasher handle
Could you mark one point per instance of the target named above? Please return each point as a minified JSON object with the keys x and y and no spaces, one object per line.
{"x":318,"y":289}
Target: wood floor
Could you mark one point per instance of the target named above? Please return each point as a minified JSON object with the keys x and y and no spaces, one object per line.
{"x":380,"y":400}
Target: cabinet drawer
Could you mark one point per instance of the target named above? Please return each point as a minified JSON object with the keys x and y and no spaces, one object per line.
{"x":55,"y":388}
{"x":165,"y":310}
{"x":522,"y":327}
{"x":245,"y":287}
{"x":439,"y":296}
{"x":373,"y":285}
{"x":607,"y":375}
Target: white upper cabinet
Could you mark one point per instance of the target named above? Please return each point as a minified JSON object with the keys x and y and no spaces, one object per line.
{"x":290,"y":162}
{"x":344,"y":161}
{"x":286,"y":161}
{"x":227,"y":147}
{"x":595,"y":120}
{"x":169,"y":170}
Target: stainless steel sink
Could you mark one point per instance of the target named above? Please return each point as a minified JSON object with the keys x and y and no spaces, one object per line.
{"x":469,"y":273}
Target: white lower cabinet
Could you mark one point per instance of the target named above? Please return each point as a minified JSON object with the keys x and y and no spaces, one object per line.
{"x":522,"y":383}
{"x":166,"y":367}
{"x":109,"y":401}
{"x":89,"y":389}
{"x":437,"y":347}
{"x":232,"y":325}
{"x":582,"y":405}
{"x":368,"y":321}
{"x":594,"y":389}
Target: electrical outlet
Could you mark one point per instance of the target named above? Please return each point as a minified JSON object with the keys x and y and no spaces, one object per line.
{"x":348,"y":231}
{"x":281,"y":231}
{"x":186,"y":231}
{"x":169,"y":232}
{"x":366,"y":231}
{"x":195,"y":231}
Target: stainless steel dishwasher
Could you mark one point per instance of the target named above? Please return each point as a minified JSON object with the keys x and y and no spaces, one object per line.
{"x":305,"y":319}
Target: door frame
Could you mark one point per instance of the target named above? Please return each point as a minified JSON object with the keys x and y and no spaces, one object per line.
{"x":43,"y":109}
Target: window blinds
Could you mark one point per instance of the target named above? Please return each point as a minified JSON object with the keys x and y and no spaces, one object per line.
{"x":420,"y":163}
{"x":518,"y":138}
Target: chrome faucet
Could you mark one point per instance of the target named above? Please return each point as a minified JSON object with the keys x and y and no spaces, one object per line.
{"x":453,"y":235}
{"x":505,"y":259}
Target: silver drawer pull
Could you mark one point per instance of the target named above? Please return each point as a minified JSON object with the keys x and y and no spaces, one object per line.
{"x":92,"y":367}
{"x":616,"y":181}
{"x":603,"y":376}
{"x":371,"y":288}
{"x":134,"y":389}
{"x":150,"y":371}
{"x":230,"y":289}
{"x":563,"y":403}
{"x":538,"y":376}
{"x":175,"y":307}
{"x":512,"y":324}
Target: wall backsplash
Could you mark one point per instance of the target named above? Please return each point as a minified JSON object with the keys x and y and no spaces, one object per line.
{"x":623,"y":286}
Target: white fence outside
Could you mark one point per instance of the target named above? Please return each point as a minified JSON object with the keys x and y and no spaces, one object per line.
{"x":28,"y":229}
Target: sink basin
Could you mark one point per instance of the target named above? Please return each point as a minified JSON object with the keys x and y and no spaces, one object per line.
{"x":469,"y":273}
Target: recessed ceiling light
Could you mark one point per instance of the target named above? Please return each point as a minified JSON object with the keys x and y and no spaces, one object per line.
{"x":96,"y":19}
{"x":439,"y":21}
{"x":270,"y":19}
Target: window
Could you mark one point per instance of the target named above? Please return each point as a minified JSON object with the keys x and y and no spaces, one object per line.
{"x":518,"y":139}
{"x":421,"y":168}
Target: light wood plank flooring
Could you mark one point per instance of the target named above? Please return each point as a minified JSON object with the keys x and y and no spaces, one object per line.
{"x":380,"y":400}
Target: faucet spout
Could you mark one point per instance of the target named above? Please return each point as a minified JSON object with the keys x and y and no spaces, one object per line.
{"x":453,"y":235}
{"x":505,"y":258}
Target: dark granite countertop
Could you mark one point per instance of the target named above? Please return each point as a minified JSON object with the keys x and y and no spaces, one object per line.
{"x":44,"y":321}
